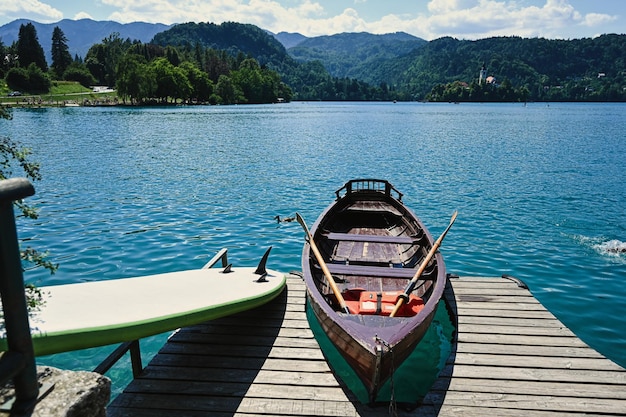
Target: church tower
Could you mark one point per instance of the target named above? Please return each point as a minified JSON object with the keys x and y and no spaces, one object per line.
{"x":483,"y":75}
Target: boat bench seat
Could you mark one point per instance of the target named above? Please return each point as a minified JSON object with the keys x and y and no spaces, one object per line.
{"x":349,"y":237}
{"x":373,"y":271}
{"x":373,"y":207}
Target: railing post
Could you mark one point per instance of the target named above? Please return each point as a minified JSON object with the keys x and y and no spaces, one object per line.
{"x":17,"y":327}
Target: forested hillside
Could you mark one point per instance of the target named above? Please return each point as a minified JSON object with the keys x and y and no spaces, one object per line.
{"x":353,"y":54}
{"x":229,"y":36}
{"x":568,"y":70}
{"x":81,"y":34}
{"x":362,"y":66}
{"x":349,"y":66}
{"x":308,"y":80}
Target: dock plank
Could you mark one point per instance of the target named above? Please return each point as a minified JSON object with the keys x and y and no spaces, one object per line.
{"x":512,"y":358}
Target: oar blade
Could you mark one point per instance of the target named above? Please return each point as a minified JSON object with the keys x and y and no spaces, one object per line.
{"x":302,"y":223}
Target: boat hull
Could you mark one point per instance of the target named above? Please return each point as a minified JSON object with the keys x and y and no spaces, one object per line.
{"x":355,"y":248}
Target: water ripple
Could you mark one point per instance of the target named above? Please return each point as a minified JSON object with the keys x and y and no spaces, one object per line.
{"x":540,"y":191}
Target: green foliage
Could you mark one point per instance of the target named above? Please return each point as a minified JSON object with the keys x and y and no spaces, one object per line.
{"x":228,"y":92}
{"x":12,"y":156}
{"x":17,"y":79}
{"x":61,"y":58}
{"x":102,"y":59}
{"x":34,"y":297}
{"x":171,"y":81}
{"x":38,"y":80}
{"x":352,"y":54}
{"x":11,"y":153}
{"x":136,"y":80}
{"x":31,"y":79}
{"x":201,"y":86}
{"x":152,"y":73}
{"x":25,"y":64}
{"x":186,"y":63}
{"x":462,"y":92}
{"x":234,"y":38}
{"x":4,"y":63}
{"x":79,"y":72}
{"x":550,"y":70}
{"x":29,"y":49}
{"x":227,"y":46}
{"x":258,"y":85}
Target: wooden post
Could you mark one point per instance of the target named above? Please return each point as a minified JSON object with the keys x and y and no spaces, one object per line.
{"x":19,"y":342}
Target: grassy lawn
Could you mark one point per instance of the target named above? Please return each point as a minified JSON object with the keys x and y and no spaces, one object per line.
{"x":67,"y":87}
{"x":59,"y":91}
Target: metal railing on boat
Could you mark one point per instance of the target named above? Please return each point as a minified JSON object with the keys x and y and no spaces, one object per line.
{"x":368,"y":184}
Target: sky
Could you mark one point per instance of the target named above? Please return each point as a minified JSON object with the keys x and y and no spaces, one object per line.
{"x":427,"y":19}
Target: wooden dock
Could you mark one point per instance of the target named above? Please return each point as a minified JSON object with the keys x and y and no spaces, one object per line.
{"x":512,"y":358}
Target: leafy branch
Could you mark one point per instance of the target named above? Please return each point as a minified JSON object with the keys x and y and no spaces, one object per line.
{"x":13,"y":155}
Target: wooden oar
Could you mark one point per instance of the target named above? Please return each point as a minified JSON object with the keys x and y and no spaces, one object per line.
{"x":320,"y":260}
{"x":409,"y":288}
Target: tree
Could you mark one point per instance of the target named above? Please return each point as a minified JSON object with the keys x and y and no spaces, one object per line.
{"x":165,"y":78}
{"x":216,"y":64}
{"x":17,"y":79}
{"x":248,"y":78}
{"x":78,"y":71}
{"x":29,"y":49}
{"x":38,"y":80}
{"x":136,"y":79}
{"x":31,"y":79}
{"x":61,"y":58}
{"x":102,"y":58}
{"x":228,"y":91}
{"x":202,"y":86}
{"x":4,"y":52}
{"x":95,"y":62}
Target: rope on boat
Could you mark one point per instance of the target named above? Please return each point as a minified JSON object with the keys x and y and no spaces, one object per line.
{"x":393,"y":406}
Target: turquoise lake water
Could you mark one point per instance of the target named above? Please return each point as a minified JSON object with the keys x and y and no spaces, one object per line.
{"x":540,"y":190}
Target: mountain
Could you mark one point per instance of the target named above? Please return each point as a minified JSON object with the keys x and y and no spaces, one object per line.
{"x":555,"y":69}
{"x":81,"y":34}
{"x":307,"y":80}
{"x":400,"y":65}
{"x":228,"y":36}
{"x":289,"y":40}
{"x":351,"y":54}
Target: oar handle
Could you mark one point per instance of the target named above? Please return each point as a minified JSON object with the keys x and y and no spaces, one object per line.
{"x":320,"y":260}
{"x":420,"y":271}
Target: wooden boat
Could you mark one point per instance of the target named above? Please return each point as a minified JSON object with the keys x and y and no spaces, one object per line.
{"x":372,"y":245}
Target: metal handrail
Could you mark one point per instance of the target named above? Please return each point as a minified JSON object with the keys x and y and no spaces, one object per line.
{"x":118,"y":353}
{"x":18,"y":363}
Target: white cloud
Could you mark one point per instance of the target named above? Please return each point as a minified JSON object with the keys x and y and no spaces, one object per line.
{"x":597,"y":20}
{"x":465,"y":19}
{"x":179,"y":11}
{"x":446,"y":6}
{"x":474,"y":19}
{"x":29,"y":9}
{"x":82,"y":15}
